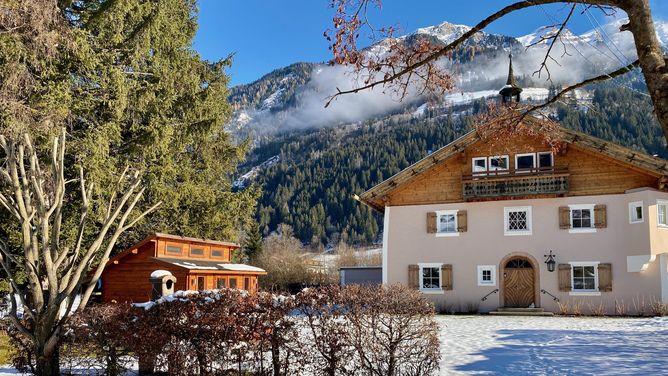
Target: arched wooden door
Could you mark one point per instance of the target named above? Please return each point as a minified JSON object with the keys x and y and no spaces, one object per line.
{"x":518,"y":283}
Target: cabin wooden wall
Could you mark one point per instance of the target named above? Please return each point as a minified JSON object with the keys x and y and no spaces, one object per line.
{"x":186,"y":250}
{"x":128,"y":281}
{"x":211,"y":280}
{"x":590,"y":173}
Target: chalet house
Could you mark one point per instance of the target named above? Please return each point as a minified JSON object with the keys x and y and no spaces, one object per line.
{"x":527,"y":226}
{"x":197,"y":264}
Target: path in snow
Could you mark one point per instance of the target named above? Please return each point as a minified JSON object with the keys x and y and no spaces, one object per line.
{"x":487,"y":345}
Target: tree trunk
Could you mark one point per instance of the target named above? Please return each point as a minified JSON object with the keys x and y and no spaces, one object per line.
{"x":652,"y":59}
{"x":47,"y":364}
{"x":276,"y":357}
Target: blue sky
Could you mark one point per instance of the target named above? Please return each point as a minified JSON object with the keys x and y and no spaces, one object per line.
{"x":269,"y":34}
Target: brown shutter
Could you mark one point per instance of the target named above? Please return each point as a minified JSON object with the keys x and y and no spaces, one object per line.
{"x":414,"y":277}
{"x":600,"y":216}
{"x":446,"y":277}
{"x":431,"y":223}
{"x":462,"y":224}
{"x":564,"y":217}
{"x":564,"y":277}
{"x":605,"y":277}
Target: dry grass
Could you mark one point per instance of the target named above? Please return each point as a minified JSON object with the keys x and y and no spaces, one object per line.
{"x":6,"y":348}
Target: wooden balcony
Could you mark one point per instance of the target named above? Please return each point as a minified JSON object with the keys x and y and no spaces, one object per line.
{"x":512,"y":183}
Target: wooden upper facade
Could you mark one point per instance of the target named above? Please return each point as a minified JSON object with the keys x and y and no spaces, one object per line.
{"x":473,"y":169}
{"x":197,"y":264}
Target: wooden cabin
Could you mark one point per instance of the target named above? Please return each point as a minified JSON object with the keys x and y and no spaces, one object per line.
{"x":197,"y":264}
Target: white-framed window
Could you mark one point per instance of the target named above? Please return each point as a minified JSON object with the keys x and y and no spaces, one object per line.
{"x":584,"y":278}
{"x":545,"y":159}
{"x":525,"y":162}
{"x":517,"y":220}
{"x":636,"y":214}
{"x":498,"y":163}
{"x":486,"y":275}
{"x":582,"y":218}
{"x":662,"y":213}
{"x":479,"y":164}
{"x":446,"y":223}
{"x":430,"y":278}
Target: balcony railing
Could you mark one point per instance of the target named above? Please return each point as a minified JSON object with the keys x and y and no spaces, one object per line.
{"x":508,"y":183}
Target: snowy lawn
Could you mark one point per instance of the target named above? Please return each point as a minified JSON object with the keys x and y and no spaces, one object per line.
{"x":489,"y":345}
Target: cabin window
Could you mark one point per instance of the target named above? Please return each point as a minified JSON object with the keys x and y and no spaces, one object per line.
{"x":201,"y":283}
{"x":582,"y":218}
{"x":233,"y":283}
{"x":662,"y":212}
{"x":498,"y":162}
{"x":517,"y":220}
{"x":584,"y":276}
{"x":247,"y":284}
{"x":479,"y":164}
{"x":636,"y":212}
{"x":174,"y":249}
{"x":430,"y":277}
{"x":197,"y":251}
{"x":545,"y":159}
{"x":447,"y":223}
{"x":525,"y":161}
{"x":216,"y":253}
{"x":220,"y":283}
{"x":486,"y":275}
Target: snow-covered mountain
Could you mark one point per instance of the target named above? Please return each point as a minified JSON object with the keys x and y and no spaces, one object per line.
{"x":293,"y":97}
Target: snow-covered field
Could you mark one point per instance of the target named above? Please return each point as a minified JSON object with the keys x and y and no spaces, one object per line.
{"x":488,"y":345}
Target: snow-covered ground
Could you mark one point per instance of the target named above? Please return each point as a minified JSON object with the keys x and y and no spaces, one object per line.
{"x":488,"y":345}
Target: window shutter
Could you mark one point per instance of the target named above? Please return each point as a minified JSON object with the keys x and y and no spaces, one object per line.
{"x":446,"y":277}
{"x":564,"y":277}
{"x":462,"y":224}
{"x":605,"y":277}
{"x":564,"y":217}
{"x":414,"y":277}
{"x":600,"y":216}
{"x":431,"y":222}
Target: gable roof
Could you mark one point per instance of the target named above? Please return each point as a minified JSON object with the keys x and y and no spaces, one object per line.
{"x":376,"y":197}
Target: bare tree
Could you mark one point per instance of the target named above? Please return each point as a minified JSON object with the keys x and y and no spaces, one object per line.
{"x":60,"y":270}
{"x":416,"y":64}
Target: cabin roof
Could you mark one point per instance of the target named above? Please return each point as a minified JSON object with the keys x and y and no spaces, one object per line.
{"x":191,"y":264}
{"x":175,"y":238}
{"x":654,"y":166}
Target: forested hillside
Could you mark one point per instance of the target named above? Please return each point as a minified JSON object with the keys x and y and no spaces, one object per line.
{"x":312,"y":185}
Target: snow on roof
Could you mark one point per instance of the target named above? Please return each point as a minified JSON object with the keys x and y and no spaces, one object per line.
{"x":211,"y":265}
{"x":160,"y":273}
{"x":241,"y":267}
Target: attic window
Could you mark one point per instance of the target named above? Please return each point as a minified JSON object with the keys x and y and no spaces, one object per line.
{"x":525,"y":161}
{"x":174,"y":249}
{"x":216,"y":253}
{"x":479,"y":164}
{"x":499,"y":162}
{"x":197,"y":251}
{"x":545,"y":159}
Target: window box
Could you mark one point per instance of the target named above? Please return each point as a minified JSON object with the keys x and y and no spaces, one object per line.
{"x":517,"y":220}
{"x":486,"y":275}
